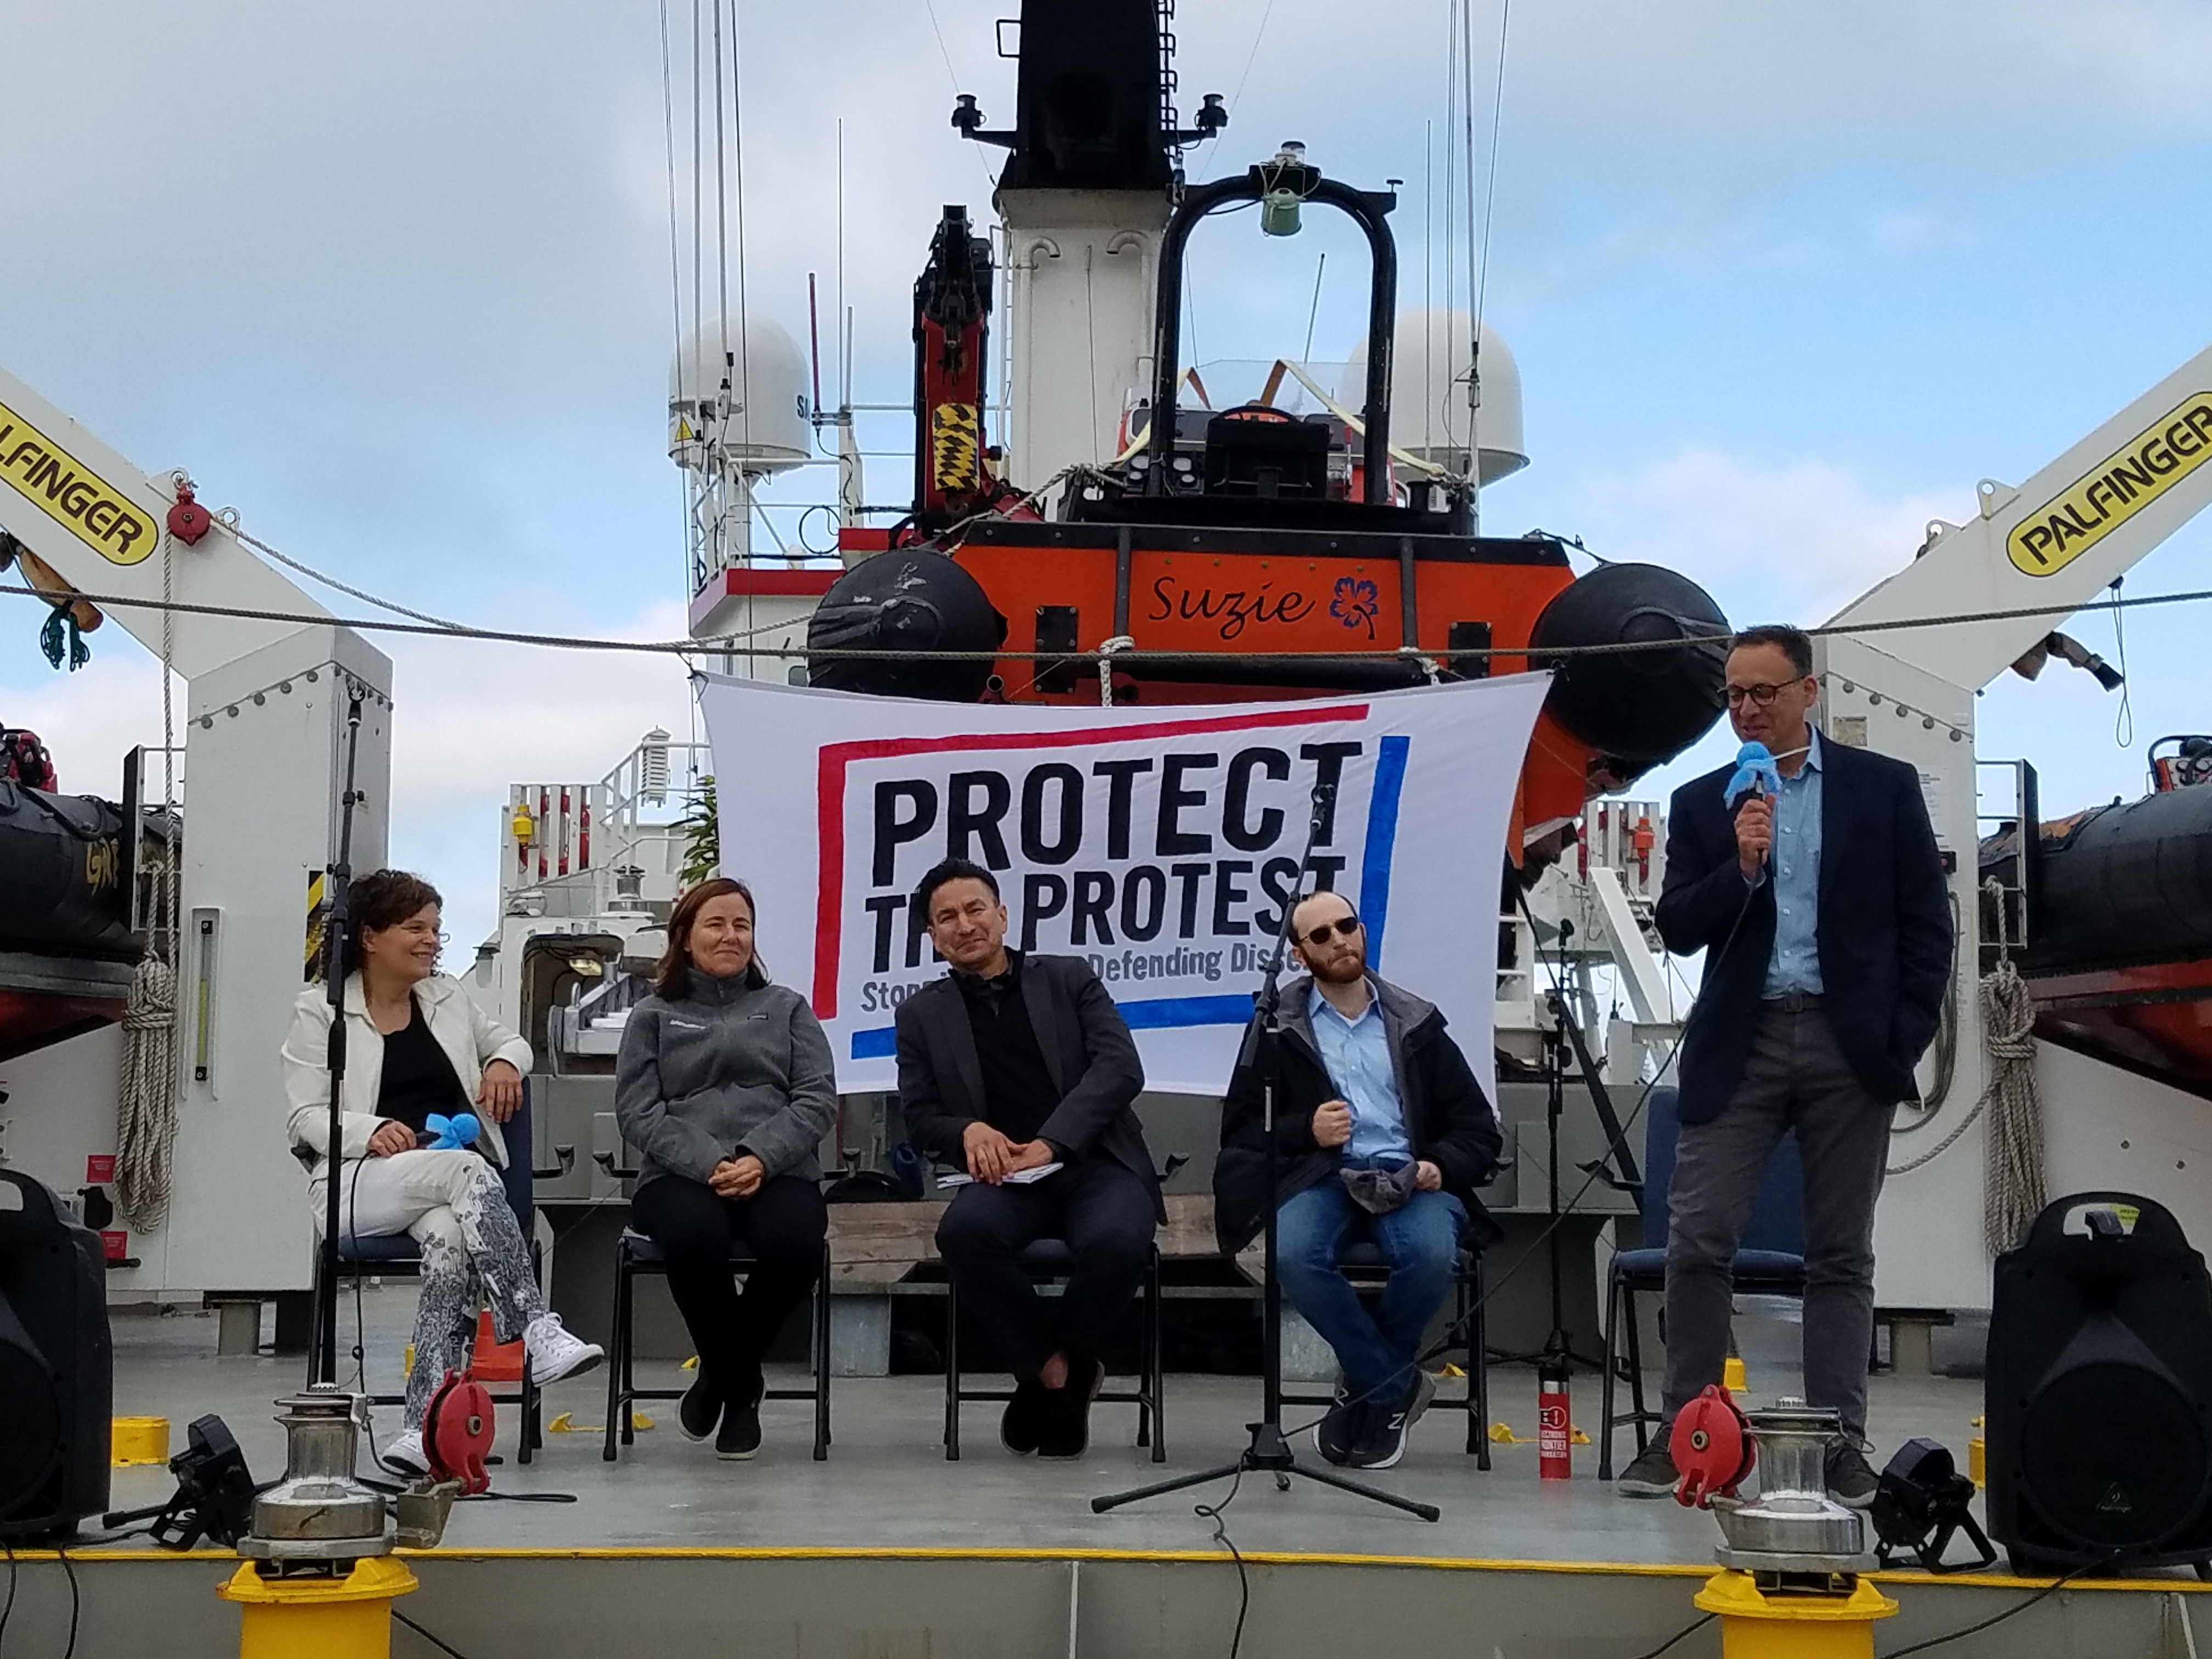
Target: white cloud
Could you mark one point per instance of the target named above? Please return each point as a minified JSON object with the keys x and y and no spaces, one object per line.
{"x":1787,"y":541}
{"x":1642,"y":86}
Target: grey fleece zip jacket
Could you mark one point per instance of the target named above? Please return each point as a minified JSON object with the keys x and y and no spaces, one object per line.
{"x":731,"y":1067}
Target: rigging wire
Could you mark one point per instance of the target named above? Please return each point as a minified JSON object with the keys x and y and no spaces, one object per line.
{"x":2124,"y":722}
{"x":952,"y":75}
{"x":347,"y":588}
{"x":1479,"y":258}
{"x":698,"y":210}
{"x":668,"y":149}
{"x":1205,"y":151}
{"x":738,"y":187}
{"x":688,"y":648}
{"x":1478,"y":247}
{"x":721,"y":227}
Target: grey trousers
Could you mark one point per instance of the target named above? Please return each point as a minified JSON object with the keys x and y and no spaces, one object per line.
{"x":1794,"y":1077}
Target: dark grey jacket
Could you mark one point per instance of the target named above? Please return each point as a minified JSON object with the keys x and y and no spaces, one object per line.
{"x":1087,"y":1049}
{"x":733,"y":1064}
{"x":1447,"y":1117}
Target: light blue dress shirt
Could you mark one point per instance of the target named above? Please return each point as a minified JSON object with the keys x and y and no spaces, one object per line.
{"x":1358,"y":1055}
{"x":1794,"y":964}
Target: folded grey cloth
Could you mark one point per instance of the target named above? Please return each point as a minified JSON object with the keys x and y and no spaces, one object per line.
{"x":1378,"y":1192}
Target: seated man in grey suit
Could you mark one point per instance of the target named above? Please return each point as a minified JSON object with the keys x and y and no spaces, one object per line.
{"x":1009,"y":1064}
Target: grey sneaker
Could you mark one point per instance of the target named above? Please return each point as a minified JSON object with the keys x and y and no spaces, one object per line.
{"x":1424,"y":1390}
{"x":1851,"y":1479}
{"x":1653,"y":1474}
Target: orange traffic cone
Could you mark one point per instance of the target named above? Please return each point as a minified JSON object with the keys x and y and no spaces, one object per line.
{"x":495,"y":1362}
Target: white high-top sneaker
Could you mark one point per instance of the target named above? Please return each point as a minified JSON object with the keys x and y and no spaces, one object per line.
{"x":404,"y":1455}
{"x":553,"y":1353}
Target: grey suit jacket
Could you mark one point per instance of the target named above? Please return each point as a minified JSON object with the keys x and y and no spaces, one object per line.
{"x":1087,"y":1049}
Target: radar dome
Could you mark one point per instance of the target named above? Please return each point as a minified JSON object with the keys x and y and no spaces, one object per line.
{"x":1433,"y":357}
{"x":761,"y":423}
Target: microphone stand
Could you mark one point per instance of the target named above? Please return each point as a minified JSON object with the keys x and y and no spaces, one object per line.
{"x":1267,"y":1450}
{"x":323,"y":1362}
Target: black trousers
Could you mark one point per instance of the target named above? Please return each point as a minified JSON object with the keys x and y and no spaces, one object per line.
{"x":1104,"y":1214}
{"x":783,"y":1222}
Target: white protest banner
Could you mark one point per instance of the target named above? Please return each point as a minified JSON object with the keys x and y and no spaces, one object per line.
{"x":1160,"y":844}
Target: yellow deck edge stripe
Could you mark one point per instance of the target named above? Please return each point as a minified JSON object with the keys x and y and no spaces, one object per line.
{"x":1165,"y":1558}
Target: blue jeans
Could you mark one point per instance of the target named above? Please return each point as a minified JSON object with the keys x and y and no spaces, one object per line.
{"x":1420,"y":1241}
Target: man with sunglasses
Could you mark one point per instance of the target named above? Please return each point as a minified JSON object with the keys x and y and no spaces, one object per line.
{"x":1826,"y":929}
{"x":1382,"y":1135}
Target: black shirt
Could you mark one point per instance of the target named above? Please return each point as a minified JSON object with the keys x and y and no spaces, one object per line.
{"x":419,"y":1078}
{"x":1017,"y":1090}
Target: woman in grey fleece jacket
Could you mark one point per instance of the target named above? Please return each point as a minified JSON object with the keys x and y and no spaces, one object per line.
{"x":725,"y":1088}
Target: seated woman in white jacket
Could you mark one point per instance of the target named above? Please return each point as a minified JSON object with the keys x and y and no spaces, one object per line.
{"x":416,"y":1046}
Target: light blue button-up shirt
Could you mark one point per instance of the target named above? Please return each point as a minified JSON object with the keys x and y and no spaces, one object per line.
{"x":1794,"y":964}
{"x":1358,"y":1055}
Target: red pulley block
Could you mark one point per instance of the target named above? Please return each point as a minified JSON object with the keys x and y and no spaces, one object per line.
{"x":456,"y":1431}
{"x":1713,"y":1448}
{"x":188,"y":519}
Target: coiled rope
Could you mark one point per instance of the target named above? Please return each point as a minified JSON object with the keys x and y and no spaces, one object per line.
{"x":2011,"y":1179}
{"x":146,"y":1108}
{"x":146,"y":1114}
{"x":2013,"y":1192}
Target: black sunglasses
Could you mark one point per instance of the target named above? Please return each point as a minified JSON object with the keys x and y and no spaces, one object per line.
{"x":1345,"y":926}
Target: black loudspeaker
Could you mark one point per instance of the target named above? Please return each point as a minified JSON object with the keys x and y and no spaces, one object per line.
{"x":2099,"y":1391}
{"x":57,"y":1371}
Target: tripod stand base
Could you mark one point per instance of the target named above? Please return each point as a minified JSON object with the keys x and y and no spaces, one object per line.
{"x":1266,"y":1452}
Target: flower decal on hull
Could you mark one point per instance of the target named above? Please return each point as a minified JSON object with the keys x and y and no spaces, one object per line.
{"x":1355,"y":603}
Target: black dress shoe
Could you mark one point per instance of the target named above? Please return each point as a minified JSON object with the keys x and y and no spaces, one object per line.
{"x":1064,"y":1431}
{"x":1022,"y":1425}
{"x":697,"y":1412}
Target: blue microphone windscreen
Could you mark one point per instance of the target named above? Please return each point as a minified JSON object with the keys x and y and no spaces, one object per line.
{"x":1754,"y":753}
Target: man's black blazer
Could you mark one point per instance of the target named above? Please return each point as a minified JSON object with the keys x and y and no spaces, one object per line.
{"x":1883,"y":929}
{"x":1087,"y":1049}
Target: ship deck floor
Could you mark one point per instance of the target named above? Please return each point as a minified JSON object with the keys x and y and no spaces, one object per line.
{"x":888,"y":1549}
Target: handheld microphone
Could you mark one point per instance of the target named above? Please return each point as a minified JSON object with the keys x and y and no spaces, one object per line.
{"x":1756,"y":774}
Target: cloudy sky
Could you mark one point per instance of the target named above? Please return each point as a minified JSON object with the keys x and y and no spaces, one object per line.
{"x":1784,"y":280}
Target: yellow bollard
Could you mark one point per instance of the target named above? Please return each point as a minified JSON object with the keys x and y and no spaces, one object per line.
{"x":301,"y":1617}
{"x":1757,"y":1625}
{"x":138,"y":1440}
{"x":1733,"y":1377}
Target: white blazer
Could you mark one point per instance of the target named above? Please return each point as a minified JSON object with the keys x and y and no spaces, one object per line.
{"x":470,"y":1041}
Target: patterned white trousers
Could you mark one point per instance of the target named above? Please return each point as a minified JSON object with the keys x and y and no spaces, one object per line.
{"x":452,"y":1205}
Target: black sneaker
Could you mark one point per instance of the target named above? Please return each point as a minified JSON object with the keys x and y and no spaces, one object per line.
{"x":1022,"y":1426}
{"x":1851,"y":1479}
{"x":1383,"y":1438}
{"x":1653,"y":1474}
{"x":697,"y":1412}
{"x":740,"y":1436}
{"x":1064,"y":1429}
{"x":1337,"y":1434}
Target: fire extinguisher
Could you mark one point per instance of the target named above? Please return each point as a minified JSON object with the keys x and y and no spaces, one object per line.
{"x":1554,"y":1421}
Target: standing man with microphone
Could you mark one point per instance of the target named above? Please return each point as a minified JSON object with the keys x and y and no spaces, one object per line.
{"x":1817,"y":893}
